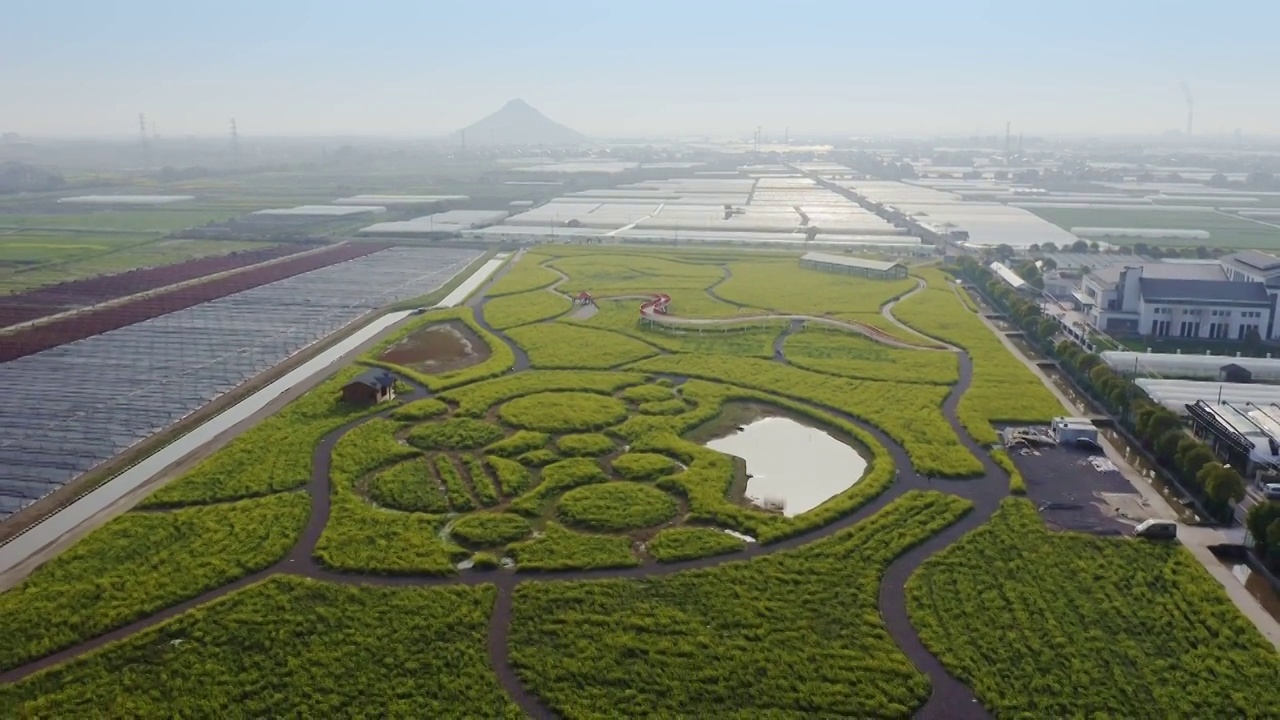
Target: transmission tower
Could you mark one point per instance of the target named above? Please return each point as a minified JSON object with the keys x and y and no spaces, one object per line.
{"x":143,"y":144}
{"x":235,"y":144}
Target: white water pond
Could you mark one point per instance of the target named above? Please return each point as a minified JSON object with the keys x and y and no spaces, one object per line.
{"x":793,"y":463}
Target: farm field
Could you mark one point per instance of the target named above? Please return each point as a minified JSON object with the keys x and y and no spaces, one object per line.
{"x":21,"y":307}
{"x":1121,"y":628}
{"x":1225,"y":230}
{"x":32,"y":340}
{"x":538,"y":507}
{"x":36,"y":258}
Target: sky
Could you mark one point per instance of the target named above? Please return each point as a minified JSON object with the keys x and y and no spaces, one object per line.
{"x":624,"y":68}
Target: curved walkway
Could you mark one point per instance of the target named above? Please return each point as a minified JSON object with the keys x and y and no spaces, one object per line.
{"x":651,"y":301}
{"x":949,"y":698}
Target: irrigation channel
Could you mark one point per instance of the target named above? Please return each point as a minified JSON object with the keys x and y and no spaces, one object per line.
{"x":949,"y":698}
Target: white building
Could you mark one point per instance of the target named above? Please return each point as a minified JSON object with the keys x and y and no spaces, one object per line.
{"x":1175,"y":299}
{"x":1257,"y":267}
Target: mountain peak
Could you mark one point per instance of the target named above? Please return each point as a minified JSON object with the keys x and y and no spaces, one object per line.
{"x":519,"y":123}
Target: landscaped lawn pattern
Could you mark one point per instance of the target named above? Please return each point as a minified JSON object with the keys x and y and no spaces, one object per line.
{"x":791,"y":634}
{"x":1049,"y":624}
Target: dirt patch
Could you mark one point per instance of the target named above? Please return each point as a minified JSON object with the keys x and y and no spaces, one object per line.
{"x":585,"y":312}
{"x":438,"y":348}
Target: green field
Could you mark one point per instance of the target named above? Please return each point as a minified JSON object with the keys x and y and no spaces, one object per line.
{"x":484,"y":479}
{"x":1045,"y":624}
{"x":1225,"y":230}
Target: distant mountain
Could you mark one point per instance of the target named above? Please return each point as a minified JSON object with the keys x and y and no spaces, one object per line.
{"x":519,"y":123}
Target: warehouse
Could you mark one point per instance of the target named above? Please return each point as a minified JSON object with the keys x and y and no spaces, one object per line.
{"x":850,"y":265}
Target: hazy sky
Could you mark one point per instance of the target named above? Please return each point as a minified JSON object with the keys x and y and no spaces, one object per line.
{"x":621,"y":67}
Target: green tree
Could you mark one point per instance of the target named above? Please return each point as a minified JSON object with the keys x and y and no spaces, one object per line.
{"x":1167,"y":446}
{"x":1260,"y":520}
{"x":1047,"y":327}
{"x":1160,"y":422}
{"x":1224,"y":485}
{"x":1195,"y":459}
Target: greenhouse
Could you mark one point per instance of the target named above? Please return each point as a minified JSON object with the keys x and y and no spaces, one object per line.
{"x":1178,"y":394}
{"x":1197,"y":367}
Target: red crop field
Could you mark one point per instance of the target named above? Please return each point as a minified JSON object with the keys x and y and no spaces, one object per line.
{"x":53,"y":299}
{"x":95,"y":322}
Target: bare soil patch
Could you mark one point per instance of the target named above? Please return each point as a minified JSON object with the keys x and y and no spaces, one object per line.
{"x":438,"y":348}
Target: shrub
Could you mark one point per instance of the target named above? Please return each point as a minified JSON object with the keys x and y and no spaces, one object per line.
{"x":512,"y":477}
{"x":616,"y":506}
{"x":687,"y":543}
{"x":560,"y":412}
{"x":489,"y":529}
{"x":664,"y":642}
{"x":526,"y":275}
{"x":1017,"y":485}
{"x":454,"y":487}
{"x":1123,"y":628}
{"x":674,"y":406}
{"x":538,"y":458}
{"x":409,"y":486}
{"x":481,"y":483}
{"x":557,"y":478}
{"x":849,"y":355}
{"x":424,"y":409}
{"x":519,"y":443}
{"x":361,"y":538}
{"x":559,"y":548}
{"x":262,"y":651}
{"x":585,"y":444}
{"x":643,"y":466}
{"x":455,"y":434}
{"x":530,"y":307}
{"x":648,"y":393}
{"x":140,"y":563}
{"x":560,"y":345}
{"x":485,"y":561}
{"x":475,"y":400}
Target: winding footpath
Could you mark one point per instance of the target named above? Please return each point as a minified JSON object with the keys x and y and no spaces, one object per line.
{"x":949,"y":698}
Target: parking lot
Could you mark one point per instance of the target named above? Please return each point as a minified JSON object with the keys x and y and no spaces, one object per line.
{"x":1080,"y":489}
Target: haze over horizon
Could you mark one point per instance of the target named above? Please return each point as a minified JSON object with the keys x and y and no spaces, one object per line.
{"x":639,"y":69}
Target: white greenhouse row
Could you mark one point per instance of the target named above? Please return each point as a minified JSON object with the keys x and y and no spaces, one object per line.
{"x":1177,"y":394}
{"x":1189,"y":366}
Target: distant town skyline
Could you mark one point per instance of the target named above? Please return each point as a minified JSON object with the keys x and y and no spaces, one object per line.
{"x":640,"y":69}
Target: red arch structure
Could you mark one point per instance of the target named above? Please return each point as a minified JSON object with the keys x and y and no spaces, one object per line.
{"x":656,"y":306}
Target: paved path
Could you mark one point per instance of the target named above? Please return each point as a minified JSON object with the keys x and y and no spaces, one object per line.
{"x":949,"y":698}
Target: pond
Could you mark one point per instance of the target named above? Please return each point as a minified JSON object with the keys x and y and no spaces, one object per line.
{"x":791,"y":464}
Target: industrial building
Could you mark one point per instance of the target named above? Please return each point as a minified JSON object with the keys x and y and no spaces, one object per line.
{"x":1244,"y":435}
{"x":849,"y":265}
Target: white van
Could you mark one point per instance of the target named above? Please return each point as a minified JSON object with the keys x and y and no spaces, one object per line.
{"x":1154,"y":529}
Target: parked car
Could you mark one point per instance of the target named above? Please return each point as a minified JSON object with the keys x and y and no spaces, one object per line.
{"x":1154,"y":529}
{"x":1271,"y":491}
